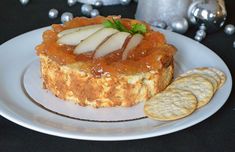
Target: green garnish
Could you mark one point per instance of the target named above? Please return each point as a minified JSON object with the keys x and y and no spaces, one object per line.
{"x":116,"y":24}
{"x":138,"y":28}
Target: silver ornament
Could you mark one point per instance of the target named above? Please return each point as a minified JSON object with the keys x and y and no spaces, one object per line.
{"x":233,"y":44}
{"x":24,"y":2}
{"x":53,"y":13}
{"x":229,"y":29}
{"x":94,"y":13}
{"x":202,"y":27}
{"x":125,"y":2}
{"x":86,"y":9}
{"x":212,"y":13}
{"x":179,"y":25}
{"x":201,"y":33}
{"x":169,"y":28}
{"x":198,"y":38}
{"x":98,"y":3}
{"x":105,"y":2}
{"x":71,"y":2}
{"x":159,"y":24}
{"x":66,"y":16}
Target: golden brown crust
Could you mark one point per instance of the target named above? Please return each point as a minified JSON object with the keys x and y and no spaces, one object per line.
{"x":68,"y":82}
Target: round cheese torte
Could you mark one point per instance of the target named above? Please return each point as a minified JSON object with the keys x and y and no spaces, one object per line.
{"x":105,"y":61}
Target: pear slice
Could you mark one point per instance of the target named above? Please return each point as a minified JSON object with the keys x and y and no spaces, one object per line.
{"x":76,"y":37}
{"x":133,"y":42}
{"x":93,"y":41}
{"x":69,"y":31}
{"x":114,"y":43}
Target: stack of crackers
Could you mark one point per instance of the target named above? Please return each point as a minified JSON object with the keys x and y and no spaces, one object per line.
{"x":191,"y":90}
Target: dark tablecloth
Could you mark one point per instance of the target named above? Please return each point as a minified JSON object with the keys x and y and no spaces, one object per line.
{"x":215,"y":134}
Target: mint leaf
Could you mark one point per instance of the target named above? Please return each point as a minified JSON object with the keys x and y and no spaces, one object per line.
{"x":138,"y":28}
{"x":116,"y":24}
{"x":119,"y":26}
{"x":108,"y":24}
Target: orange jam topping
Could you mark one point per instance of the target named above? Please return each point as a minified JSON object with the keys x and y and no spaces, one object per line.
{"x":153,"y":53}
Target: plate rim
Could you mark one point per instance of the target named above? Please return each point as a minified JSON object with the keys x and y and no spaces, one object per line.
{"x":9,"y":114}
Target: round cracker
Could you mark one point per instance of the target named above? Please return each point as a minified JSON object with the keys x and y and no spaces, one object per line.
{"x":206,"y":73}
{"x":198,"y":85}
{"x":170,"y":104}
{"x":212,"y":73}
{"x":221,"y":75}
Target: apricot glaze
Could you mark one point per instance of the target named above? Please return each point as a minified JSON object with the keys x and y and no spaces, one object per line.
{"x":151,"y":54}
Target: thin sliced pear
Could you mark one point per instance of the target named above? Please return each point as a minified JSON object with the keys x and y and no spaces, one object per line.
{"x":76,"y":37}
{"x":93,"y":41}
{"x":133,"y":42}
{"x":69,"y":31}
{"x":115,"y":42}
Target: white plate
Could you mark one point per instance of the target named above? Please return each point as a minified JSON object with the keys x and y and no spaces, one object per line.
{"x":17,"y":54}
{"x":33,"y":87}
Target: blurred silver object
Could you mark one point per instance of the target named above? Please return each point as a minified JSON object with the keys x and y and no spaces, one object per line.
{"x":159,"y":24}
{"x":169,"y":28}
{"x":24,"y":2}
{"x":179,"y":25}
{"x":71,"y":2}
{"x":198,"y":38}
{"x":202,"y":27}
{"x":211,"y":13}
{"x":233,"y":44}
{"x":86,"y":9}
{"x":66,"y":16}
{"x":229,"y":29}
{"x":98,"y":3}
{"x":94,"y":13}
{"x":105,"y":2}
{"x":201,"y":33}
{"x":163,"y":10}
{"x":53,"y":13}
{"x":125,"y":2}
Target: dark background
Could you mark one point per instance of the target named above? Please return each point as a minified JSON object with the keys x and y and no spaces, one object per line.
{"x":215,"y":134}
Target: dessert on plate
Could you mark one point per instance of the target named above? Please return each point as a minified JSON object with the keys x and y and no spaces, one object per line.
{"x":105,"y":61}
